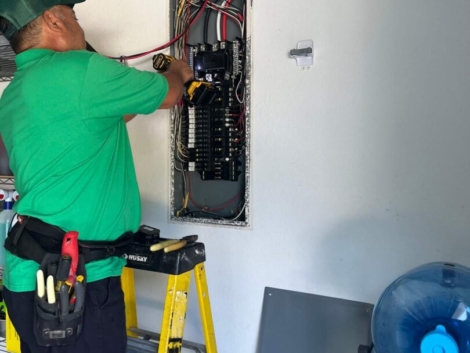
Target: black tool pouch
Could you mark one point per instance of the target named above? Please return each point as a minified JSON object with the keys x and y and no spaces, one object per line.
{"x":53,"y":326}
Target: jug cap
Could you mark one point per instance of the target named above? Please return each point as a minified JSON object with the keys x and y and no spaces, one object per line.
{"x":439,"y":341}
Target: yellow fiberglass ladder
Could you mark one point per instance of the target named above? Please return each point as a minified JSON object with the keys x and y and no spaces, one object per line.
{"x":178,"y":259}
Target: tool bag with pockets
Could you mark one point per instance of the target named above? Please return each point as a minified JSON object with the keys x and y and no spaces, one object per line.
{"x":58,"y":322}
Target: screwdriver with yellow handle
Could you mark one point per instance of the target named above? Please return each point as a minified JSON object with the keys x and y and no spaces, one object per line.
{"x":41,"y":284}
{"x":173,"y":244}
{"x":197,"y":92}
{"x":163,"y":244}
{"x":181,"y":243}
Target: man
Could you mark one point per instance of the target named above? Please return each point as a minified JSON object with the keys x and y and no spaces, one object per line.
{"x":62,"y":119}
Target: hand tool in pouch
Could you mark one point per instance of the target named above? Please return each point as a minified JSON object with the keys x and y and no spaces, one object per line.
{"x":64,"y":299}
{"x":70,"y":248}
{"x":73,"y":299}
{"x":41,"y":284}
{"x":79,"y":293}
{"x":50,"y":290}
{"x":63,"y":271}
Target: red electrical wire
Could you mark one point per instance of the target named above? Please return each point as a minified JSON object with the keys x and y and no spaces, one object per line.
{"x":171,"y":42}
{"x":241,"y":119}
{"x":224,"y":22}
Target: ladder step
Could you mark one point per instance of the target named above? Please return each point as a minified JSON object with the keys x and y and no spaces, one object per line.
{"x":148,"y":335}
{"x":136,"y":345}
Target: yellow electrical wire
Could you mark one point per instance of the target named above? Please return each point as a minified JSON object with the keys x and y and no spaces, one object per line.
{"x":180,"y":9}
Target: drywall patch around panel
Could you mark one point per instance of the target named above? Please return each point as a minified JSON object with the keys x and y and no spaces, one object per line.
{"x":210,"y":136}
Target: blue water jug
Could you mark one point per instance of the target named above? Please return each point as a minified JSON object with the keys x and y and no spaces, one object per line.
{"x":425,"y":311}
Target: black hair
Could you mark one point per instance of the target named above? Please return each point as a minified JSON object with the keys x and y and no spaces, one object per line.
{"x":25,"y":37}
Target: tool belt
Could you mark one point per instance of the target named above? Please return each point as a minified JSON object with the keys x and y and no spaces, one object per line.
{"x":33,"y":239}
{"x":59,"y":305}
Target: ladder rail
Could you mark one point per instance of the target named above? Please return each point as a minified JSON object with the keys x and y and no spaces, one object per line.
{"x":205,"y":308}
{"x":174,"y":313}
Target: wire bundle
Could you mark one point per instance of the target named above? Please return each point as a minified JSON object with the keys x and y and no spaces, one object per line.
{"x":188,"y":13}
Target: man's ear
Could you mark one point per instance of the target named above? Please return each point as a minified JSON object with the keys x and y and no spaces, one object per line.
{"x":52,"y":22}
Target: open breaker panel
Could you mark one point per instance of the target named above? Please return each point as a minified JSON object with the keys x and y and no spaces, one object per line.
{"x":210,"y":151}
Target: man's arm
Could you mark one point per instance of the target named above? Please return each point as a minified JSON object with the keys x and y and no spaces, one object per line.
{"x":175,"y":92}
{"x":114,"y":90}
{"x":129,"y":117}
{"x":177,"y":75}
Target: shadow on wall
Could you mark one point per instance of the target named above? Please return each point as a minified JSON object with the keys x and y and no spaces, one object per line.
{"x":361,"y":257}
{"x":152,"y":212}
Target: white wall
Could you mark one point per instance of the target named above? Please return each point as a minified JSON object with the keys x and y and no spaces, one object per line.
{"x":361,"y":165}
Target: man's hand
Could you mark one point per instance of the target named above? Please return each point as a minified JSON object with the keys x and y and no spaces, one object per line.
{"x":177,"y":75}
{"x":181,"y":68}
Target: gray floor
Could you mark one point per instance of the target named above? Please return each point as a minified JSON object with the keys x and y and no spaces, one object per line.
{"x":135,"y":346}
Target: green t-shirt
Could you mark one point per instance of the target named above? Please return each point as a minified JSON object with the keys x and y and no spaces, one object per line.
{"x":61,"y":119}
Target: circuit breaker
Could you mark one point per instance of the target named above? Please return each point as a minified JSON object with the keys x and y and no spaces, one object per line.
{"x":210,"y":151}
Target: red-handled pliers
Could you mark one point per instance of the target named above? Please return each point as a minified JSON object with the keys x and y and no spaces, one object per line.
{"x":70,"y":248}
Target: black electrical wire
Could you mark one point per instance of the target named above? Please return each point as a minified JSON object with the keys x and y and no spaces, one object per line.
{"x":206,"y":24}
{"x":190,"y":213}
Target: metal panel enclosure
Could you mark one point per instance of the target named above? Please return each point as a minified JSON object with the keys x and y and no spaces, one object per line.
{"x":301,"y":322}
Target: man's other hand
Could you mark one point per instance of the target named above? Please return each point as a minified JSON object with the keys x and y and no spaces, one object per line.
{"x":182,"y":68}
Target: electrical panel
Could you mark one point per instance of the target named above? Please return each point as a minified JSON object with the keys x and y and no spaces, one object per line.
{"x":210,"y":131}
{"x":212,"y":136}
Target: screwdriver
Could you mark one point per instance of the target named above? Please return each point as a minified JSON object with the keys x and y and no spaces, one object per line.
{"x":163,"y":244}
{"x":50,"y":290}
{"x":41,"y":284}
{"x":181,"y":243}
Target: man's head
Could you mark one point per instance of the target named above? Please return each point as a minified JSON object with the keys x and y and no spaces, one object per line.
{"x":54,"y":27}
